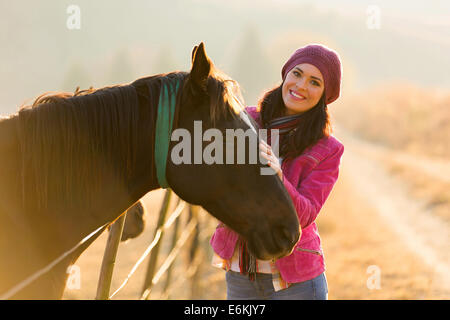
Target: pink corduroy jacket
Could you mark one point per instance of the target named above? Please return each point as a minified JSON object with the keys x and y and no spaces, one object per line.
{"x":308,"y":179}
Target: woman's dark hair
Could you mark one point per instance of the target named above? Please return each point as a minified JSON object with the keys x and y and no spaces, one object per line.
{"x":314,"y":124}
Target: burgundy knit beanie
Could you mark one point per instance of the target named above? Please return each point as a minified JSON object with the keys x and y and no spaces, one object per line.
{"x":326,"y":60}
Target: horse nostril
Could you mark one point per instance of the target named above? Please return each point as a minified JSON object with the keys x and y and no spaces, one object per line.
{"x":285,"y":237}
{"x":291,"y":236}
{"x":287,"y":234}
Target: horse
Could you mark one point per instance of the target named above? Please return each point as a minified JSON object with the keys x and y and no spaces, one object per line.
{"x":134,"y":222}
{"x":70,"y":163}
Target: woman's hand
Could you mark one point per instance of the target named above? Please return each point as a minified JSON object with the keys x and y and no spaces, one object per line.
{"x":272,"y":160}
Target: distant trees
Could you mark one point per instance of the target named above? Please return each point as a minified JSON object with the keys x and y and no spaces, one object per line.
{"x":251,"y":67}
{"x":76,"y":76}
{"x":120,"y":69}
{"x":164,"y":61}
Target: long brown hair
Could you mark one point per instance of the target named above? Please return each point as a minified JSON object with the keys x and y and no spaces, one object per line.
{"x":314,"y":124}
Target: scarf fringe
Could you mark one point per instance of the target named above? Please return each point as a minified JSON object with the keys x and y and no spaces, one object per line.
{"x":247,"y":262}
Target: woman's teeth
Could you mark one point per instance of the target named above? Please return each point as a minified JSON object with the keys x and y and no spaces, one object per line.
{"x":296,"y":95}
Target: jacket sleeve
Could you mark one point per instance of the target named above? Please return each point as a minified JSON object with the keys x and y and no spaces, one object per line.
{"x":313,"y":190}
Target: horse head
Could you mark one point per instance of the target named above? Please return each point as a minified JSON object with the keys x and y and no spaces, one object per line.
{"x":254,"y":205}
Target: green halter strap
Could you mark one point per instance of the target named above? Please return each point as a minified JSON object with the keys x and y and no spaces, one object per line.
{"x":164,"y":124}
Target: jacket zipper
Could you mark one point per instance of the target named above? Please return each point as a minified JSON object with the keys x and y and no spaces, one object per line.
{"x":310,"y":251}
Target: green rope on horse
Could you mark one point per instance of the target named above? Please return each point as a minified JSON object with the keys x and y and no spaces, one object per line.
{"x":164,"y":124}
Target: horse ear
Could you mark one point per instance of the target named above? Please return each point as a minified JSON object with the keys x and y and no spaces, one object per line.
{"x":193,"y":53}
{"x":201,"y":67}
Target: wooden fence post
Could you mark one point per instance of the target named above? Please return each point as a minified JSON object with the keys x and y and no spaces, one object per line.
{"x":109,"y":259}
{"x":193,"y":215}
{"x":155,"y":252}
{"x":174,"y":242}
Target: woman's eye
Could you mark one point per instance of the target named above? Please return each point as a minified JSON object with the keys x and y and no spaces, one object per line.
{"x":314,"y":82}
{"x":296,"y":73}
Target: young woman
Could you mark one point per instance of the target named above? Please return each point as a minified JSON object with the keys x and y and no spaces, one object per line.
{"x":308,"y":166}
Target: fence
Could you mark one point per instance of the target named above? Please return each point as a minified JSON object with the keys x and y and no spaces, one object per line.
{"x":190,"y":234}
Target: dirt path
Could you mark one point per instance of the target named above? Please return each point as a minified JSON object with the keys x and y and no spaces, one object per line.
{"x":424,"y":233}
{"x":404,"y":223}
{"x":436,"y":168}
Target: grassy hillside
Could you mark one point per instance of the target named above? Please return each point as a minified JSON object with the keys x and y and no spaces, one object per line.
{"x":401,"y":116}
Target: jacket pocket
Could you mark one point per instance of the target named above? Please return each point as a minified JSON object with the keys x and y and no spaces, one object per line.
{"x":317,"y":252}
{"x":311,"y":245}
{"x":308,"y":256}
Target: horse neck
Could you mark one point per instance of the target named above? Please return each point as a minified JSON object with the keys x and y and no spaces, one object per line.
{"x":98,"y":198}
{"x":9,"y":182}
{"x":14,"y":227}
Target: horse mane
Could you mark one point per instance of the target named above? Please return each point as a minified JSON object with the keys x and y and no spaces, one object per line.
{"x":225,"y":96}
{"x":71,"y":142}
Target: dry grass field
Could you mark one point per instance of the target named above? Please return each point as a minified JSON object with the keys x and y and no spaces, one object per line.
{"x":401,"y":116}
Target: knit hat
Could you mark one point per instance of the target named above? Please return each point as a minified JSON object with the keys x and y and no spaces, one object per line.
{"x":326,"y":60}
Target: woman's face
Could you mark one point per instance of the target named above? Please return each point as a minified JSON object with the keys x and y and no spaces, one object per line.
{"x":302,"y":88}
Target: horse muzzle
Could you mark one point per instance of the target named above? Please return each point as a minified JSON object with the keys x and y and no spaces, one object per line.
{"x":277,"y":244}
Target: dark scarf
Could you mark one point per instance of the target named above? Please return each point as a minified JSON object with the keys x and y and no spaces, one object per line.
{"x":285,"y":125}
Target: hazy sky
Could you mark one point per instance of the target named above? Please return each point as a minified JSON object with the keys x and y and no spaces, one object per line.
{"x":414,"y":9}
{"x":423,"y":12}
{"x":38,"y":52}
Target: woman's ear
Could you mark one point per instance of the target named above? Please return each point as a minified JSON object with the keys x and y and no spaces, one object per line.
{"x":201,"y":68}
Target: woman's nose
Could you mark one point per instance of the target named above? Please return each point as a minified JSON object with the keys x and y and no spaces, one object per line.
{"x":301,"y":84}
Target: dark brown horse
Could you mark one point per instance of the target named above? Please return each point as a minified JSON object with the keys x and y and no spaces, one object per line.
{"x":71,"y":163}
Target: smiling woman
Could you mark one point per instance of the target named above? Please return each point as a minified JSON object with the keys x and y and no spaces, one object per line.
{"x":308,"y":168}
